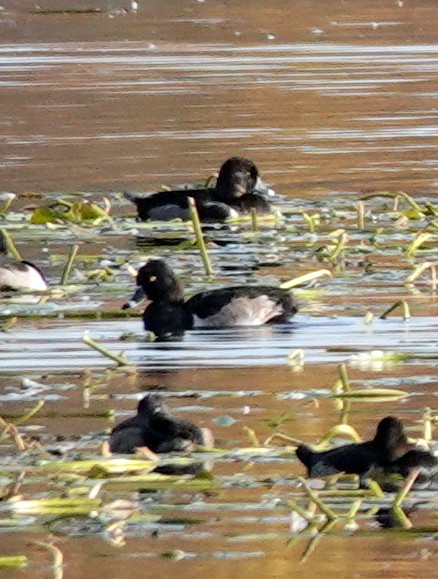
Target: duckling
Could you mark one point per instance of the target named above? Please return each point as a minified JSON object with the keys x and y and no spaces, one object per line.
{"x":169,"y":315}
{"x":19,"y":275}
{"x":238,"y":189}
{"x":155,"y":427}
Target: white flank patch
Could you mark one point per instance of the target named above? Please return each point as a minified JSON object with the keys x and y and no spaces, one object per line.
{"x":242,"y":311}
{"x":30,"y":279}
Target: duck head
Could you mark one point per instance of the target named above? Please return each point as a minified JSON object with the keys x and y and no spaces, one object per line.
{"x":390,"y":435}
{"x":152,"y":404}
{"x":156,"y":281}
{"x":237,"y":176}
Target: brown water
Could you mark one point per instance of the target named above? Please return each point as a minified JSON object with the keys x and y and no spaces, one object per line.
{"x":330,"y":99}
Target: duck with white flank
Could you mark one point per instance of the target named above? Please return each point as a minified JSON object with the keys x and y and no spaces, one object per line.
{"x":19,"y":275}
{"x":169,"y":315}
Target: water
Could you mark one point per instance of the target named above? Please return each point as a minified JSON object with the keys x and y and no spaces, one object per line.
{"x":331,"y":99}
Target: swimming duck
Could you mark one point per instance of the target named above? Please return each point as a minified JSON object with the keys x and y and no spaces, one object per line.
{"x":19,"y":275}
{"x":238,"y":189}
{"x":155,"y":427}
{"x":169,"y":315}
{"x":387,"y":446}
{"x":389,"y":449}
{"x":424,"y":461}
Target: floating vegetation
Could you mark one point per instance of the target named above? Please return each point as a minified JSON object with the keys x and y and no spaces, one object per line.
{"x":397,"y":196}
{"x":98,"y":466}
{"x":400,"y":304}
{"x":6,"y":200}
{"x":61,"y":506}
{"x":63,"y":211}
{"x":10,"y":245}
{"x":306,"y":278}
{"x":13,"y":562}
{"x":336,"y":355}
{"x":418,"y":241}
{"x":338,"y":431}
{"x":121,"y":361}
{"x":372,"y":395}
{"x":419,"y":270}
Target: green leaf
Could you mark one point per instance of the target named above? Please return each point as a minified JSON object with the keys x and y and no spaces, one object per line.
{"x":12,"y":562}
{"x":372,"y":394}
{"x":47,"y":214}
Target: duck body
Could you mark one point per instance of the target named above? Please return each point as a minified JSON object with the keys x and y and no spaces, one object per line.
{"x":155,"y":427}
{"x":238,"y":190}
{"x":387,"y":446}
{"x":350,"y":459}
{"x":19,"y":275}
{"x":170,"y":315}
{"x":424,"y":461}
{"x":168,"y":205}
{"x":239,"y":306}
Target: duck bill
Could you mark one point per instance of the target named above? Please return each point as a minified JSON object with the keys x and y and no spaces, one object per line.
{"x":136,"y":299}
{"x":261,"y":187}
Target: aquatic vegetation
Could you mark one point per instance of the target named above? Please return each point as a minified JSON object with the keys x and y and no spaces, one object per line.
{"x":355,"y":267}
{"x":62,"y":211}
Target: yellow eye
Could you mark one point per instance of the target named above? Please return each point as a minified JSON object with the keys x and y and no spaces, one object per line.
{"x":153,"y":278}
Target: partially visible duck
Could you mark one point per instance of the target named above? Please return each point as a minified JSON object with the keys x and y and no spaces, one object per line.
{"x":19,"y":275}
{"x":389,"y":444}
{"x":155,"y":427}
{"x":169,"y":315}
{"x":238,"y":189}
{"x":424,"y":461}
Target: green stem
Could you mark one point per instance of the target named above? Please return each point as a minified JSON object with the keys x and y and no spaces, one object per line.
{"x":344,"y":377}
{"x":405,"y":490}
{"x":69,"y":264}
{"x":254,"y":220}
{"x":29,"y":414}
{"x":360,"y":215}
{"x":199,"y":237}
{"x":10,"y":246}
{"x":331,"y":516}
{"x":309,"y":222}
{"x":400,"y":303}
{"x":119,"y":359}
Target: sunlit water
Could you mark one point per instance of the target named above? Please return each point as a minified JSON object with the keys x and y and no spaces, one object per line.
{"x":330,"y":99}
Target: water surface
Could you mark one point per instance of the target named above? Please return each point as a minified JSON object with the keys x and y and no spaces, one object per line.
{"x":331,"y":99}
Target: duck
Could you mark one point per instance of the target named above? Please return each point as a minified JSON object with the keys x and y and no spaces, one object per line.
{"x":417,"y":459}
{"x":169,"y":315}
{"x":154,"y":426}
{"x":388,"y":449}
{"x":238,"y":190}
{"x":19,"y":275}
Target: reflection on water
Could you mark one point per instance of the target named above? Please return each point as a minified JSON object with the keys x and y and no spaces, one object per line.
{"x":324,"y":340}
{"x":125,"y":112}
